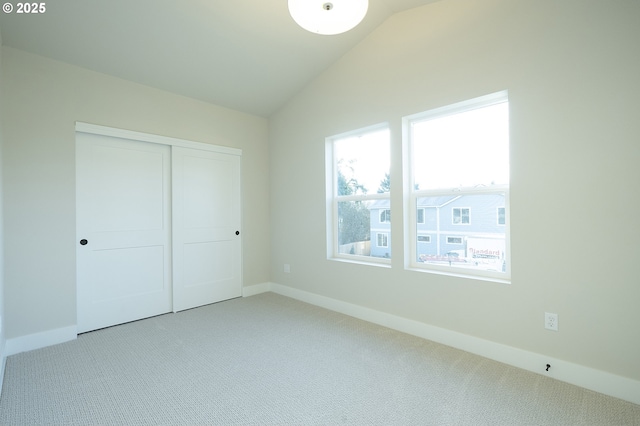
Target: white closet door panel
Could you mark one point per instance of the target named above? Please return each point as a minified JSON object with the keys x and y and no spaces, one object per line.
{"x":126,"y":273}
{"x":126,"y":176}
{"x":209,"y":191}
{"x":123,"y":212}
{"x":206,"y":220}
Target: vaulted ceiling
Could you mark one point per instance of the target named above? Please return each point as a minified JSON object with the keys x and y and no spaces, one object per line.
{"x":246,"y":55}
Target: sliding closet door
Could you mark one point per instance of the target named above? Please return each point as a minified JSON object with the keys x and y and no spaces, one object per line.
{"x":206,"y":227}
{"x":123,"y":230}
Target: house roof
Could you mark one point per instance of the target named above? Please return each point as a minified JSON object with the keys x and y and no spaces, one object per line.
{"x":436,"y":201}
{"x":422,"y":202}
{"x":426,"y":202}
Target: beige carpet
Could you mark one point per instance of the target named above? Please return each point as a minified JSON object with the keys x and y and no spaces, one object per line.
{"x":271,"y":360}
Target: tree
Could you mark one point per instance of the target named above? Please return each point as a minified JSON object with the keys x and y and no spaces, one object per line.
{"x":353,"y":216}
{"x":354,"y":222}
{"x":351,"y":185}
{"x":385,"y":184}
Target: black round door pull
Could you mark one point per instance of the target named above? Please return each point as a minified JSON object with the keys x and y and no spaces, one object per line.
{"x":83,"y":242}
{"x":237,"y":232}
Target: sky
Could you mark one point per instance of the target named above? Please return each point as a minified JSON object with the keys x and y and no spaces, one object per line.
{"x":457,"y":150}
{"x":465,"y":149}
{"x":368,"y":155}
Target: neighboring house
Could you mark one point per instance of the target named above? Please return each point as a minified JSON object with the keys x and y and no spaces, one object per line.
{"x":467,"y":228}
{"x":380,"y":227}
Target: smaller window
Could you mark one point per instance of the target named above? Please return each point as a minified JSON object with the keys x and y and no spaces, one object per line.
{"x":454,"y":240}
{"x":385,"y":216}
{"x":501,"y":217}
{"x":420,"y":216}
{"x":383,"y":240}
{"x":461,"y":216}
{"x":424,"y":238}
{"x":357,"y":188}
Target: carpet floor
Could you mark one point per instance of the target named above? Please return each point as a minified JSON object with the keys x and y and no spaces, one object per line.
{"x":272,"y":360}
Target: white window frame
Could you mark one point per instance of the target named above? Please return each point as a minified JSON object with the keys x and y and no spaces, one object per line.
{"x":411,"y":195}
{"x":453,"y":215}
{"x":333,"y":199}
{"x":384,"y":219}
{"x":450,"y":237}
{"x":385,"y":236}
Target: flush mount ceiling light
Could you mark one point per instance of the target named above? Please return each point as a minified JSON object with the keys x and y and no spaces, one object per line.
{"x":328,"y":17}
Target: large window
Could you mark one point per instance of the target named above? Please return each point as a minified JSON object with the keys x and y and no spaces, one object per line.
{"x":358,"y":187}
{"x":458,"y":160}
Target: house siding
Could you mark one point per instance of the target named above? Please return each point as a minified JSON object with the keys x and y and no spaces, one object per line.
{"x":438,"y":224}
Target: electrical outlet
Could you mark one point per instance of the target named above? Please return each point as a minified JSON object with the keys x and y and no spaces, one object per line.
{"x":551,"y":321}
{"x":287,"y":268}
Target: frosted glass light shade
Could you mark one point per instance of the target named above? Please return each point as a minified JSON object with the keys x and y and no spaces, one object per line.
{"x":328,"y":17}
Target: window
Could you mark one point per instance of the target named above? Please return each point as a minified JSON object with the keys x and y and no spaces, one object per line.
{"x":358,"y":203}
{"x":458,"y":163}
{"x":385,"y":216}
{"x":424,"y":238}
{"x":460,"y":216}
{"x":501,"y":217}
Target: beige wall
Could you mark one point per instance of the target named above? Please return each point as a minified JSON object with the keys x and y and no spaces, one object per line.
{"x":571,"y":68}
{"x":42,"y":101}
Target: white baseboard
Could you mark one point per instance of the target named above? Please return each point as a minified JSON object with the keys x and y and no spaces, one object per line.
{"x":586,"y":377}
{"x":252,"y":290}
{"x":40,"y":340}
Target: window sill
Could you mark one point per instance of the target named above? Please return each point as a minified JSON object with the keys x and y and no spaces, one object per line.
{"x":382,"y":263}
{"x":457,"y":274}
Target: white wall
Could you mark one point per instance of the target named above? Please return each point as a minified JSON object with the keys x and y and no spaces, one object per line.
{"x":571,"y":69}
{"x":42,"y":101}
